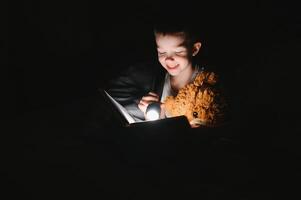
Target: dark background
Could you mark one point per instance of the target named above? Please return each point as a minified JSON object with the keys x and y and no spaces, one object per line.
{"x":59,"y":53}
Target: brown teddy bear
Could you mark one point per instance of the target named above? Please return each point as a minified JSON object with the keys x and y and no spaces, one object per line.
{"x":202,"y":102}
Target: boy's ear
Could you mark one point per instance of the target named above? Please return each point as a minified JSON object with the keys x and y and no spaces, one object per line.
{"x":196,"y":48}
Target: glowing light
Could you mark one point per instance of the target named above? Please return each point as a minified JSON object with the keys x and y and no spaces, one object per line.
{"x":153,"y":111}
{"x":152,"y":115}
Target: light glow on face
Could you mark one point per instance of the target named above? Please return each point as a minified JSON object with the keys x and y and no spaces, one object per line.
{"x":173,"y":55}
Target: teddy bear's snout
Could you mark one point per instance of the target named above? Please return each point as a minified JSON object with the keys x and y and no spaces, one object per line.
{"x":197,"y":122}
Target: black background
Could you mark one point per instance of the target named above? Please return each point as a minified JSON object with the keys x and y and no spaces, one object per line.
{"x":60,"y":52}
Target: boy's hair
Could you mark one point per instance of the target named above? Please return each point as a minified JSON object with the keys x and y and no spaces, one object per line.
{"x":179,"y":26}
{"x":166,"y":28}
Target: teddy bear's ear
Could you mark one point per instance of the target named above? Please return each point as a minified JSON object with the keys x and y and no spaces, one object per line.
{"x":211,"y":78}
{"x":198,"y":81}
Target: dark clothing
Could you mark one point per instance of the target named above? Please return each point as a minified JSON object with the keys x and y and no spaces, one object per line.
{"x":134,"y":83}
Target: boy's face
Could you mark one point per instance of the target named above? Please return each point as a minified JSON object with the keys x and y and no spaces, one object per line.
{"x":173,"y":55}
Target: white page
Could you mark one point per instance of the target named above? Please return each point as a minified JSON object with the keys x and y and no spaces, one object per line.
{"x":122,"y":110}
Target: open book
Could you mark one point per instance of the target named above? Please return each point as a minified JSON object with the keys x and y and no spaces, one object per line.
{"x":120,"y":108}
{"x":128,"y":121}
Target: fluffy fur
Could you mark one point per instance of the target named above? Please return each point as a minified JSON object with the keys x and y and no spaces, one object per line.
{"x":201,"y":101}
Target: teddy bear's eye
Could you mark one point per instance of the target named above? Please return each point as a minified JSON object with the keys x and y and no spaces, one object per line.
{"x":195,"y":114}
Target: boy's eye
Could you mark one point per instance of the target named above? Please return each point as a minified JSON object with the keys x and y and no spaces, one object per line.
{"x":180,"y":52}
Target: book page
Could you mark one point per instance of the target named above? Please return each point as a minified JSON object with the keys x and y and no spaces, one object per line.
{"x":121,"y":109}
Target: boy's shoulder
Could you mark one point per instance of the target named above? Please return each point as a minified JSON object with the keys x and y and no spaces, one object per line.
{"x":140,"y":74}
{"x":143,"y":71}
{"x":145,"y":67}
{"x":136,"y":70}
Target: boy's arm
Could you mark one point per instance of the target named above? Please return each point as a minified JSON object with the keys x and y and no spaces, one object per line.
{"x":130,"y":86}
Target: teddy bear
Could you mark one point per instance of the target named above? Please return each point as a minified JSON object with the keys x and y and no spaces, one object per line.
{"x":201,"y":101}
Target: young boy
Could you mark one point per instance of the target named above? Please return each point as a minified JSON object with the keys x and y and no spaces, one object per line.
{"x":176,"y":47}
{"x":177,"y":50}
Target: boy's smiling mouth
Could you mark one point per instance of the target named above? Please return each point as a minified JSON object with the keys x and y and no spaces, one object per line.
{"x":172,"y":67}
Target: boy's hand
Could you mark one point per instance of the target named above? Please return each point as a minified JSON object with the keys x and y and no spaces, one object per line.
{"x":146,"y":100}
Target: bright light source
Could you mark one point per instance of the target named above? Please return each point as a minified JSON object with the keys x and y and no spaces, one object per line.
{"x":153,"y":111}
{"x":152,"y":115}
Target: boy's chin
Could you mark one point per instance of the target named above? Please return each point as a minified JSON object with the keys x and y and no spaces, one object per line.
{"x":173,"y":73}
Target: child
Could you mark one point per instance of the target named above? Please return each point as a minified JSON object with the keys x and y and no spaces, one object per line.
{"x":177,"y":49}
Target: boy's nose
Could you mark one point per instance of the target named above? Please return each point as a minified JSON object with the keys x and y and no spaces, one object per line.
{"x":170,"y":58}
